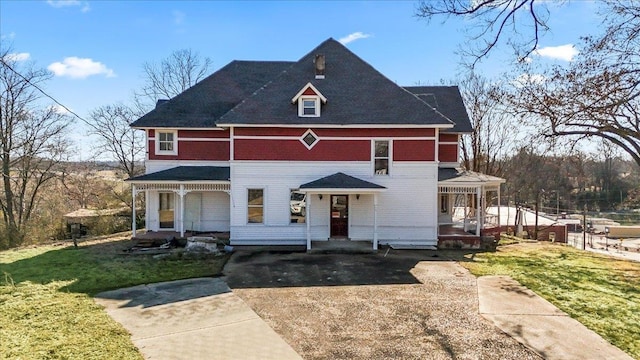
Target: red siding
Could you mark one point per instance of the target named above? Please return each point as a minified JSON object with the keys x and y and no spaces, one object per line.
{"x":414,"y":150}
{"x":448,"y":137}
{"x":448,"y":152}
{"x":207,"y":134}
{"x":309,"y":91}
{"x":325,"y":150}
{"x":334,"y":132}
{"x":195,"y":150}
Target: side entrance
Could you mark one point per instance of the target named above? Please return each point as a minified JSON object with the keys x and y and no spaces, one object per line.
{"x":339,"y":216}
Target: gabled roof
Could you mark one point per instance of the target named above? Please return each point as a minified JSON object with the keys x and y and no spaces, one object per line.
{"x":186,"y":173}
{"x":341,"y":181}
{"x":358,"y":93}
{"x":461,"y":177}
{"x":448,"y":101}
{"x":205,"y":102}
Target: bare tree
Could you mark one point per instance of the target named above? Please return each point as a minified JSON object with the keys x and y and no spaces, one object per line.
{"x":494,"y":20}
{"x":493,"y":135}
{"x":111,"y":126}
{"x":33,"y":142}
{"x":173,"y":75}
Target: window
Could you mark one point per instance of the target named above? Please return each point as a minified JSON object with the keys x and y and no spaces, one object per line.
{"x":444,"y":203}
{"x":381,"y":157}
{"x":165,"y":210}
{"x":309,"y":107}
{"x":297,"y":206}
{"x":166,"y":142}
{"x":255,"y":206}
{"x":309,"y":139}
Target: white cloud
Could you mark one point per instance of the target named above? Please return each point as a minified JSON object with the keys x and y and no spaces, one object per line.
{"x":58,"y":109}
{"x":79,"y":68}
{"x":67,"y":3}
{"x":563,"y":52}
{"x":353,"y":37}
{"x":178,"y":17}
{"x":14,"y":57}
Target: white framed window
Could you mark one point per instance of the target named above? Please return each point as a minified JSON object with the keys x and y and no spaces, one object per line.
{"x":381,"y":157}
{"x":255,"y":206}
{"x":297,"y":206}
{"x":309,"y":139}
{"x":309,"y":106}
{"x":166,"y":142}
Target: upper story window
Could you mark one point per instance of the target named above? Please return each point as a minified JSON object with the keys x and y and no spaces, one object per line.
{"x":309,"y":107}
{"x":166,"y":142}
{"x":381,"y":156}
{"x":309,"y":101}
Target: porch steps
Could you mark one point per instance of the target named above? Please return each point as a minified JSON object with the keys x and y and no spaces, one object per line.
{"x":412,"y":247}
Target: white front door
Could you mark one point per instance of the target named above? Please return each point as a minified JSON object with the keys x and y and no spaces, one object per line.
{"x":192,"y":211}
{"x":166,"y":210}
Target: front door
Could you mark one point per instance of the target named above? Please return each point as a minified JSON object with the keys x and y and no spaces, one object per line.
{"x":339,"y":216}
{"x":165,"y":210}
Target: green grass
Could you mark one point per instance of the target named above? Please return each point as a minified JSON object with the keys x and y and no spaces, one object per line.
{"x":46,"y":309}
{"x":601,"y":292}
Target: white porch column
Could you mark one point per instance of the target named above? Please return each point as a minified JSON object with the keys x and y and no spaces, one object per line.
{"x":478,"y":210}
{"x":499,"y":210}
{"x":133,"y":211}
{"x":308,"y":220}
{"x":465,"y":220}
{"x":375,"y":221}
{"x":181,"y":193}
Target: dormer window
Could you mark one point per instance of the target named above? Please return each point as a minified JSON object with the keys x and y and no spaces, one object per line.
{"x":309,"y":106}
{"x":309,"y":101}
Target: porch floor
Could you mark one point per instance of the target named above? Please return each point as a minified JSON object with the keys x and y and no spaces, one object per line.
{"x":158,"y":235}
{"x":451,"y":230}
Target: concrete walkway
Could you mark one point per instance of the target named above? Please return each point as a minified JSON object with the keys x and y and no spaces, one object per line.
{"x":167,"y":321}
{"x":538,"y":324}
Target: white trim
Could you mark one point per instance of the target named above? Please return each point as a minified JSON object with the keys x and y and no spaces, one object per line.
{"x":178,"y":182}
{"x":316,"y":104}
{"x":336,"y":138}
{"x":389,"y":156}
{"x":264,"y":205}
{"x":342,"y":191}
{"x":304,"y":88}
{"x":197,"y":139}
{"x":309,"y":147}
{"x":349,"y":126}
{"x":231,"y":144}
{"x":217,"y":128}
{"x":157,"y":141}
{"x":448,"y":143}
{"x":146,"y":145}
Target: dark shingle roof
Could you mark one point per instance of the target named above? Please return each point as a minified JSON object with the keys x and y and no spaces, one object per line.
{"x":448,"y":101}
{"x":340,"y":181}
{"x":357,"y":94}
{"x":205,"y":102}
{"x":187,"y":173}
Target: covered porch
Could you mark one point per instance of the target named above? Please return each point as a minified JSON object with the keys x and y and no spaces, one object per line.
{"x":339,"y":189}
{"x":463,"y":200}
{"x":177,"y":200}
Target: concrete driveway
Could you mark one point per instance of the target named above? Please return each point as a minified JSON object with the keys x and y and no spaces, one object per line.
{"x":407,"y":305}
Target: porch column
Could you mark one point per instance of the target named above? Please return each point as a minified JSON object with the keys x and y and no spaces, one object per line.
{"x":478,"y":210}
{"x":181,"y":193}
{"x":375,"y":221}
{"x":308,"y":220}
{"x":466,"y":210}
{"x":133,"y":211}
{"x":499,"y":210}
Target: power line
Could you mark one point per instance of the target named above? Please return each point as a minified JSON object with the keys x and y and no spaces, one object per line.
{"x":4,"y":63}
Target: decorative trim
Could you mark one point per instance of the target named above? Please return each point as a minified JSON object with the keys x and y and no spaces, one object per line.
{"x":307,"y":133}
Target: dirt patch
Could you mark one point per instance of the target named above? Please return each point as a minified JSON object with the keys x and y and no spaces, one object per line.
{"x":403,"y":306}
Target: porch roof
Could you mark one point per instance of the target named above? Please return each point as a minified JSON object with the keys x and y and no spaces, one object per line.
{"x":457,"y":176}
{"x":340,"y":182}
{"x":186,"y":174}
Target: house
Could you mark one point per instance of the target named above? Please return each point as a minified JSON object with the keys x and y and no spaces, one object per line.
{"x":323,"y":148}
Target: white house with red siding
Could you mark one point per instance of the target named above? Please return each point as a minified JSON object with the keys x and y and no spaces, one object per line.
{"x":323,"y":148}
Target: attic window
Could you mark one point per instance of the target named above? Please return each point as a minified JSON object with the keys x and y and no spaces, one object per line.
{"x":309,"y":139}
{"x":309,"y":107}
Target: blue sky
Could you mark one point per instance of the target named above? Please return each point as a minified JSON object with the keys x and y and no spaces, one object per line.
{"x":96,"y":48}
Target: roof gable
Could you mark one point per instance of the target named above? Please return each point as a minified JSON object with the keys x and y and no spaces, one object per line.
{"x":309,"y":90}
{"x":359,"y":95}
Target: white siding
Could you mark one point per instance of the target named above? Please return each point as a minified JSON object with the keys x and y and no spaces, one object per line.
{"x":214,"y":214}
{"x":407,"y":210}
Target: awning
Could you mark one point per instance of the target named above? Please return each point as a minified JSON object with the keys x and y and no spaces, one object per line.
{"x":341,"y":183}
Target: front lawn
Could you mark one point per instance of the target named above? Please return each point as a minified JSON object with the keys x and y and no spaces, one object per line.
{"x":601,"y":292}
{"x":46,"y":309}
